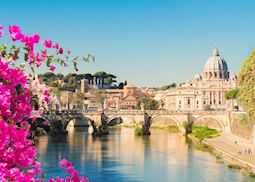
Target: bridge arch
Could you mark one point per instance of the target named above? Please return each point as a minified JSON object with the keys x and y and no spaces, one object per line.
{"x":210,"y":121}
{"x":78,"y":120}
{"x":170,"y":120}
{"x":124,"y":119}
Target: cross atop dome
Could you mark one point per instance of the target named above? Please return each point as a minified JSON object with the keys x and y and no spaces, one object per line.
{"x":216,"y":52}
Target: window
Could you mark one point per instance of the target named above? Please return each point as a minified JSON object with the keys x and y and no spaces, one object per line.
{"x":188,"y":101}
{"x":180,"y":102}
{"x":204,"y":102}
{"x":219,"y":102}
{"x":197,"y":102}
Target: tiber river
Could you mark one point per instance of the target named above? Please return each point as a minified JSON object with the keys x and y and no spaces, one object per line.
{"x":121,"y":156}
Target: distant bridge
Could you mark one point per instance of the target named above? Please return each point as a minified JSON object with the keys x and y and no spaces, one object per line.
{"x":219,"y":120}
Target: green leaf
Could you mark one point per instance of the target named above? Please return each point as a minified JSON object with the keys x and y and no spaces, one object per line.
{"x":26,"y":56}
{"x":3,"y":47}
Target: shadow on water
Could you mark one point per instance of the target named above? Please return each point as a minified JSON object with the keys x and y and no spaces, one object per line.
{"x":194,"y":144}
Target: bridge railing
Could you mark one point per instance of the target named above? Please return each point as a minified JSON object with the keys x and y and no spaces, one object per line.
{"x":157,"y":112}
{"x":151,"y":112}
{"x":140,"y":112}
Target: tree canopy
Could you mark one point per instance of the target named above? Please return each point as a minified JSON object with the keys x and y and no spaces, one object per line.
{"x":149,"y":104}
{"x":246,"y":80}
{"x":172,"y":85}
{"x":78,"y":99}
{"x":232,"y":94}
{"x":72,"y":81}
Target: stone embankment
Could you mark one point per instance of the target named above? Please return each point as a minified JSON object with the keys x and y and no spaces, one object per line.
{"x":235,"y":151}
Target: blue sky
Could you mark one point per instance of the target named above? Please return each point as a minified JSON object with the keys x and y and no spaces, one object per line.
{"x":147,"y":42}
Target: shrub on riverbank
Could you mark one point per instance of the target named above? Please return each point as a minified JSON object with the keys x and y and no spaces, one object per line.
{"x":171,"y":128}
{"x":138,"y":131}
{"x":234,"y":166}
{"x":202,"y":132}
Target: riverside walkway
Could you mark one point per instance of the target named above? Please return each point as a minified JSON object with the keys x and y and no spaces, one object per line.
{"x":230,"y":145}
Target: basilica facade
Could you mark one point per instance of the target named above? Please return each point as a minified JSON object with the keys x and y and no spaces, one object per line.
{"x":206,"y":91}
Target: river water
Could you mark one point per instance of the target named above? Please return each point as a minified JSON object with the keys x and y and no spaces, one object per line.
{"x":121,"y":157}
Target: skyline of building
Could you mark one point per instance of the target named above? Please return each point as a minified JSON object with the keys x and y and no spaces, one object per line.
{"x":206,"y":91}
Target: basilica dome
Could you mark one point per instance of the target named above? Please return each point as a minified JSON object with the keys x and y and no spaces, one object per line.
{"x":216,"y":67}
{"x":215,"y":62}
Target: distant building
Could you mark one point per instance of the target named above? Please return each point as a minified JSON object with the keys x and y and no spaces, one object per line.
{"x":146,"y":92}
{"x":206,"y":91}
{"x":96,"y":98}
{"x":130,"y":97}
{"x":84,"y":85}
{"x":66,"y":99}
{"x":113,"y":99}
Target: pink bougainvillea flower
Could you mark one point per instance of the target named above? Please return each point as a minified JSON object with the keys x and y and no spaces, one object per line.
{"x":30,"y":40}
{"x":70,"y":170}
{"x":60,"y":51}
{"x":47,"y":43}
{"x":15,"y":33}
{"x":52,"y":68}
{"x":33,"y":119}
{"x":56,"y":46}
{"x":46,"y":122}
{"x":68,"y":52}
{"x":17,"y":152}
{"x":65,"y":163}
{"x":1,"y":31}
{"x":65,"y":65}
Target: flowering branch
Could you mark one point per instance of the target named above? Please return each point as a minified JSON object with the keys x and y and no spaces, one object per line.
{"x":19,"y":96}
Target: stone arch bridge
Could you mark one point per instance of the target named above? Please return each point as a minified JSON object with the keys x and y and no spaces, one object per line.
{"x":219,"y":120}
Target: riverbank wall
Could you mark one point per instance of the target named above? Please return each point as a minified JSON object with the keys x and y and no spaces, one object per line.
{"x":240,"y":125}
{"x":233,"y":161}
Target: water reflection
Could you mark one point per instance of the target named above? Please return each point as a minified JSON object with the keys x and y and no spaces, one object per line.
{"x":121,"y":156}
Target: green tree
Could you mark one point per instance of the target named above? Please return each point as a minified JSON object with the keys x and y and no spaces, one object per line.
{"x":78,"y":99}
{"x":100,"y":76}
{"x":109,"y":79}
{"x":246,"y":80}
{"x":149,"y":104}
{"x":47,"y":77}
{"x":172,"y":85}
{"x":232,"y":94}
{"x":60,"y":76}
{"x":55,"y":92}
{"x":99,"y":98}
{"x":68,"y":76}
